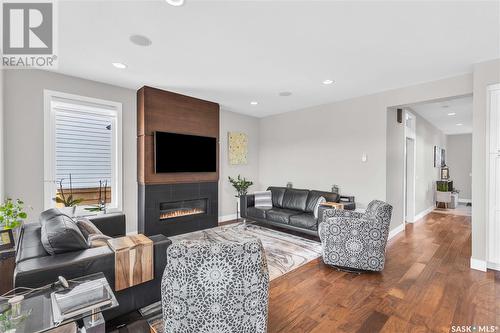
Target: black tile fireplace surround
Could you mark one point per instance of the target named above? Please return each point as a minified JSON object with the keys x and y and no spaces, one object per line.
{"x":177,"y":208}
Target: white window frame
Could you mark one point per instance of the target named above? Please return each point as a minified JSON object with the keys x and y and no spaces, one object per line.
{"x":96,"y":106}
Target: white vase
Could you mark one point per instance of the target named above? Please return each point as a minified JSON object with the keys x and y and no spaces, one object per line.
{"x":70,"y":211}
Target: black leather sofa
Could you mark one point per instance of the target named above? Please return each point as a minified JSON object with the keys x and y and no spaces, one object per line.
{"x":36,"y":268}
{"x":292,"y":208}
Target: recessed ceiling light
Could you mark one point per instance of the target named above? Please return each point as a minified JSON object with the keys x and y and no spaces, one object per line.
{"x":119,"y":65}
{"x":175,"y":2}
{"x":452,"y":114}
{"x":254,"y":102}
{"x":285,"y":93}
{"x":460,"y":124}
{"x":328,"y":81}
{"x":140,"y":40}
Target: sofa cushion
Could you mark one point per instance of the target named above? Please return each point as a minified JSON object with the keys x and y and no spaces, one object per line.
{"x":280,"y":215}
{"x":86,"y":227}
{"x":305,"y":220}
{"x":295,"y":199}
{"x":30,"y":244}
{"x":314,"y":195}
{"x":277,"y":195}
{"x":257,"y":212}
{"x":59,"y":233}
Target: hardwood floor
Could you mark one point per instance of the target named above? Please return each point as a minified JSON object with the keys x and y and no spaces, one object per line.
{"x":426,"y":286}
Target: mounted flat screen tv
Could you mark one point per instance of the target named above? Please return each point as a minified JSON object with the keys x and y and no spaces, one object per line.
{"x":184,"y":153}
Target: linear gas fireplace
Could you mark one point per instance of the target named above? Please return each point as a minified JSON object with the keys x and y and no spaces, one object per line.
{"x":170,"y":210}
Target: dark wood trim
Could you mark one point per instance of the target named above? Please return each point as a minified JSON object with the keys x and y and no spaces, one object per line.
{"x":159,"y":110}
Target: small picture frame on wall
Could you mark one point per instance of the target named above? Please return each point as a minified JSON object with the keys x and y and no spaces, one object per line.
{"x":437,"y":157}
{"x":443,"y":157}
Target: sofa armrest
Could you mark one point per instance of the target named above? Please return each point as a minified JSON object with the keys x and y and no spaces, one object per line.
{"x":41,"y":271}
{"x":113,"y":225}
{"x":246,"y":201}
{"x":37,"y":272}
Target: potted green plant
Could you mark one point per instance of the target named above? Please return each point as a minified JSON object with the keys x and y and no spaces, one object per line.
{"x":68,"y":201}
{"x":241,"y":186}
{"x":12,"y":215}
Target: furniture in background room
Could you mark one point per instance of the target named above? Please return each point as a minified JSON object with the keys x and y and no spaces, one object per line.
{"x":291,"y":208}
{"x":72,"y":258}
{"x":443,"y":199}
{"x":356,"y":240}
{"x":215,"y":287}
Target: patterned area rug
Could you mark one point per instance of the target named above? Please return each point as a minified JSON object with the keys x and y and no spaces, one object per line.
{"x":284,"y":253}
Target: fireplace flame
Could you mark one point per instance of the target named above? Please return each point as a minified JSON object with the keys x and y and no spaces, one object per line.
{"x":180,"y":212}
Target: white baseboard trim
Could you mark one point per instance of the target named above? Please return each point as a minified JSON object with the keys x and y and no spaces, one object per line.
{"x":479,"y":265}
{"x":422,"y":214}
{"x":465,"y":200}
{"x":396,"y":230}
{"x":493,"y":265}
{"x":225,"y":218}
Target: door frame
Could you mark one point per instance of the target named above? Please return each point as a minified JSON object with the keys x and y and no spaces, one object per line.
{"x":410,"y":121}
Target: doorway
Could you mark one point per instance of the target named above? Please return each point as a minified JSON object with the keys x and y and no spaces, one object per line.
{"x":409,"y":161}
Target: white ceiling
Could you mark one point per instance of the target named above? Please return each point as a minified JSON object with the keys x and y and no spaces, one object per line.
{"x":437,"y":114}
{"x":234,"y":52}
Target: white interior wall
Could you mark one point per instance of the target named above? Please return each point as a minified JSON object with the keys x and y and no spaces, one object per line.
{"x":234,"y":122}
{"x":459,"y":160}
{"x":427,"y":136}
{"x":485,"y":73}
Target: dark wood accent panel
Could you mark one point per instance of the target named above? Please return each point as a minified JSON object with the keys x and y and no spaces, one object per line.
{"x":159,"y":110}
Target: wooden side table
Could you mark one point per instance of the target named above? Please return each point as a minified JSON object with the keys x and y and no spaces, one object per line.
{"x":133,"y":260}
{"x":335,"y":205}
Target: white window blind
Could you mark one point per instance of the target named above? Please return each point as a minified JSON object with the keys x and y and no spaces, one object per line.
{"x":84,"y":144}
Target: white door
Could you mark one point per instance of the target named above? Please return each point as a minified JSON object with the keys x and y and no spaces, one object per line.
{"x":493,"y":177}
{"x":494,"y":210}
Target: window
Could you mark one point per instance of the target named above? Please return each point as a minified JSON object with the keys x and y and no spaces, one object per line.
{"x":82,"y":151}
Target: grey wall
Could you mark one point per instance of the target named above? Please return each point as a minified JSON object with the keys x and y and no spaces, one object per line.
{"x":427,"y":136}
{"x":234,"y":122}
{"x":24,"y":134}
{"x":459,"y":160}
{"x":320,"y":146}
{"x":485,"y":73}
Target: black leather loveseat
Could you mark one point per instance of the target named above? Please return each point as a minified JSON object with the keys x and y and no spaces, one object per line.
{"x":292,"y":208}
{"x":35,"y":267}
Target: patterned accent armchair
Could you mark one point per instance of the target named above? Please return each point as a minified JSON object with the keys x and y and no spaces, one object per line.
{"x":356,"y":240}
{"x":215,"y":287}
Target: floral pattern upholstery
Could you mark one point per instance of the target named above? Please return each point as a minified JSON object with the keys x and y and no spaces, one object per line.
{"x":356,"y":240}
{"x":215,"y":287}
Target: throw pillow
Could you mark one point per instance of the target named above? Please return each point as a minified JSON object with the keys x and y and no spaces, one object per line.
{"x":316,"y":207}
{"x":97,"y":240}
{"x":59,"y":233}
{"x":263,"y":199}
{"x":87,"y":227}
